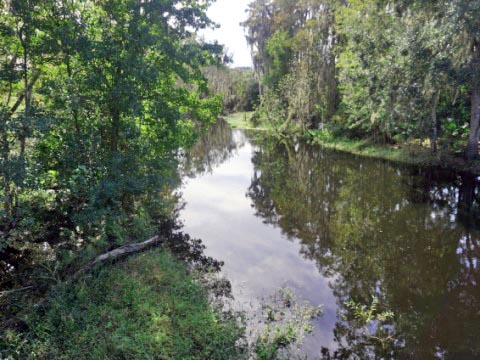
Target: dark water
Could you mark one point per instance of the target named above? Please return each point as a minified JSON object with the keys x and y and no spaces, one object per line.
{"x":335,"y":228}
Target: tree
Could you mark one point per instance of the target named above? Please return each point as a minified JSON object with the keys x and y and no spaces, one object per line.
{"x":238,"y":87}
{"x":259,"y":30}
{"x":461,"y":18}
{"x":109,"y":92}
{"x":460,"y":25}
{"x":294,"y":60}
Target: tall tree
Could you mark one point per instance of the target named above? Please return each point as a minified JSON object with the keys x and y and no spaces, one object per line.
{"x":294,"y":59}
{"x":98,"y":100}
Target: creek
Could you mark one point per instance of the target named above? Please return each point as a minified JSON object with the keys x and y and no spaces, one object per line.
{"x":336,"y":228}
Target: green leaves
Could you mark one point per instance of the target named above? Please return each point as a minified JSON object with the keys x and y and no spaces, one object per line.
{"x":97,"y":100}
{"x":292,"y":49}
{"x":387,"y":71}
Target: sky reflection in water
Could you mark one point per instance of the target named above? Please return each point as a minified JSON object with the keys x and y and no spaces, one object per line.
{"x":258,"y":258}
{"x":333,"y":228}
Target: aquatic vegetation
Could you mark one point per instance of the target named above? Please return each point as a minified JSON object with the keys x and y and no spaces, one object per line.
{"x":285,"y":322}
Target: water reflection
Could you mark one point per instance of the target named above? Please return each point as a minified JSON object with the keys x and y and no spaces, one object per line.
{"x":213,"y":148}
{"x":337,"y":228}
{"x":407,"y":236}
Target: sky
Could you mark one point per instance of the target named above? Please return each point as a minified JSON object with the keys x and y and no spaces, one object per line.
{"x":229,"y":14}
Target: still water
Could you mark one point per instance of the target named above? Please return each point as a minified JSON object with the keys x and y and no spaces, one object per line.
{"x":338,"y":228}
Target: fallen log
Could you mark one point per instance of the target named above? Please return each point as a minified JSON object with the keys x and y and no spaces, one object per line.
{"x":117,"y":254}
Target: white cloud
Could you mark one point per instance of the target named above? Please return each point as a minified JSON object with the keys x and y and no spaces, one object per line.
{"x":229,"y":14}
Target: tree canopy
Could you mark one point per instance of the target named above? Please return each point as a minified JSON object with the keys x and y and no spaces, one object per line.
{"x":392,"y":71}
{"x":98,"y":99}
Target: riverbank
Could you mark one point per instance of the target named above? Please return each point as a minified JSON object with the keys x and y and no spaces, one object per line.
{"x":148,"y":306}
{"x":411,"y":154}
{"x":243,"y":120}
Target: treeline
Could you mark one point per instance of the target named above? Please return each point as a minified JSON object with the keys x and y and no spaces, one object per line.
{"x":390,"y":71}
{"x":238,"y":87}
{"x":97,"y":101}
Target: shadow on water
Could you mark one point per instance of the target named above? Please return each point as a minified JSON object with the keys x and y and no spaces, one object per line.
{"x":407,"y":236}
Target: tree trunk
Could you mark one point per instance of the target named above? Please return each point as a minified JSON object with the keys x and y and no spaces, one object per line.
{"x":435,"y":122}
{"x":115,"y":133}
{"x":5,"y":153}
{"x":472,"y":148}
{"x":26,"y":120}
{"x":74,"y":102}
{"x":21,"y":96}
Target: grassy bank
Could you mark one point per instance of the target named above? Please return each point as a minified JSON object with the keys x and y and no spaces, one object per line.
{"x":143,"y":308}
{"x":413,"y":154}
{"x":243,"y":120}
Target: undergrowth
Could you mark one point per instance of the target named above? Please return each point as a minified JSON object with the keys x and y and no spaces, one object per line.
{"x":147,"y":307}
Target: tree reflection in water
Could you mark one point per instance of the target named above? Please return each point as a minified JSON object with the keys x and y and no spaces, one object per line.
{"x":213,"y":148}
{"x":408,"y":236}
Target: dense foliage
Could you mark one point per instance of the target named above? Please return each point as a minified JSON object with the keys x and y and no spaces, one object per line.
{"x":291,"y":45}
{"x":97,"y":100}
{"x":392,"y":71}
{"x":238,"y":87}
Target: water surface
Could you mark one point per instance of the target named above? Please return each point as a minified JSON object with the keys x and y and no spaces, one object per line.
{"x":334,"y":228}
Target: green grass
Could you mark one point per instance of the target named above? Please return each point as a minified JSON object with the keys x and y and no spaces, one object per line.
{"x":242,"y":120}
{"x":146,"y":307}
{"x":414,"y":154}
{"x":411,"y":153}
